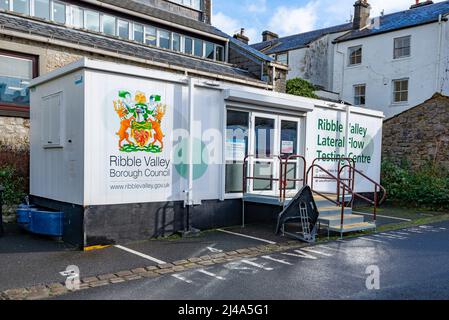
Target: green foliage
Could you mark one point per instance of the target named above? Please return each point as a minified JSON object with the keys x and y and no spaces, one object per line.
{"x":301,"y":87}
{"x":425,"y":187}
{"x":13,"y":185}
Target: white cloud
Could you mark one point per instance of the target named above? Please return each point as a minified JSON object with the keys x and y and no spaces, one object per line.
{"x":256,"y":6}
{"x":232,"y":26}
{"x":292,"y":20}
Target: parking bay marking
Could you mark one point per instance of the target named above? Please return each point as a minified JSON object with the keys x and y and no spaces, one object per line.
{"x":277,"y":260}
{"x":246,"y":236}
{"x":145,"y":256}
{"x":179,"y":277}
{"x":370,"y":239}
{"x":394,"y":235}
{"x":210,"y":274}
{"x":300,"y":254}
{"x":317,"y":252}
{"x":257,"y":265}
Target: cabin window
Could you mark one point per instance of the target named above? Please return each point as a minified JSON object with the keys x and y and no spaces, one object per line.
{"x":219,"y":53}
{"x":237,"y":127}
{"x":4,"y":4}
{"x":355,"y":55}
{"x":198,"y":48}
{"x":402,"y":47}
{"x":188,"y":45}
{"x":282,"y":58}
{"x":209,"y":50}
{"x":16,"y":71}
{"x":400,"y":90}
{"x":359,"y":94}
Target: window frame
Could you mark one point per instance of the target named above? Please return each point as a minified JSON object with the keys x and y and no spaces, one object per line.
{"x":402,"y":102}
{"x":357,"y":95}
{"x":14,"y":110}
{"x":351,"y":50}
{"x":282,"y":54}
{"x":409,"y":37}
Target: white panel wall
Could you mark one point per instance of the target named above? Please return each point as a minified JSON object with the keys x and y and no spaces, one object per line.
{"x":57,"y":173}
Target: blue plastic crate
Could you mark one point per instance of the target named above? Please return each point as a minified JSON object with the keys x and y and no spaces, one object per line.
{"x":40,"y":221}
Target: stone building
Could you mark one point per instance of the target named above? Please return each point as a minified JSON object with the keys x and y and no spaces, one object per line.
{"x":419,"y":135}
{"x":39,"y":36}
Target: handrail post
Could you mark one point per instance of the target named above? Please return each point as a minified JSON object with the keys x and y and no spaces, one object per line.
{"x":375,"y":202}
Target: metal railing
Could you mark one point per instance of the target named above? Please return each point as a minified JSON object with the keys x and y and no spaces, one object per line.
{"x":377,"y":186}
{"x":286,"y":180}
{"x":247,"y":177}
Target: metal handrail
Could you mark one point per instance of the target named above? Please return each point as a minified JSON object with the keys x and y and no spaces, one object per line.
{"x":339,"y":159}
{"x":246,"y":177}
{"x":285,"y":180}
{"x":374,"y":202}
{"x":340,"y":184}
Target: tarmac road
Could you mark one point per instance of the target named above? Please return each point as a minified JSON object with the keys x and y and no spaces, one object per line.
{"x":412,"y":263}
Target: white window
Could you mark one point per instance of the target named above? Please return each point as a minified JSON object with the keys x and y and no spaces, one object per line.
{"x":92,"y":20}
{"x":164,"y":39}
{"x":400,"y":90}
{"x":198,"y":48}
{"x":123,"y":29}
{"x":52,"y":120}
{"x":138,"y":33}
{"x":58,"y":14}
{"x":188,"y":45}
{"x":176,"y":42}
{"x":402,"y":47}
{"x":42,"y":9}
{"x":77,"y":17}
{"x":359,"y":94}
{"x":4,"y":4}
{"x":282,"y":58}
{"x":108,"y":24}
{"x":210,"y":50}
{"x":21,"y":6}
{"x":219,"y":53}
{"x":355,"y":55}
{"x":150,"y":36}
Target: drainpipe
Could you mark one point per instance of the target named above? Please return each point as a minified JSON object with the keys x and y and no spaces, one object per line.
{"x":342,"y":72}
{"x":440,"y":43}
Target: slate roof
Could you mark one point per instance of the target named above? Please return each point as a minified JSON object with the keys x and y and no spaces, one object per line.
{"x":89,"y":39}
{"x":298,"y":41}
{"x":400,"y":20}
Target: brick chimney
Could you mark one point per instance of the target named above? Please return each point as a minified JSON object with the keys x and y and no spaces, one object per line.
{"x":241,"y":36}
{"x":268,"y":36}
{"x":420,"y":4}
{"x":207,"y":11}
{"x":361,"y":14}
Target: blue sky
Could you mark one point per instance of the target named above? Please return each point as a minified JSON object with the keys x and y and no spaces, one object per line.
{"x":287,"y":17}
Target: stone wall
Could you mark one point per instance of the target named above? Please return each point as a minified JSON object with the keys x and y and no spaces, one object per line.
{"x":419,"y":135}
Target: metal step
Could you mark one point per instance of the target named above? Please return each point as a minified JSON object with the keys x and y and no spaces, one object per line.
{"x":335,"y":220}
{"x":353,"y":227}
{"x":332,"y":210}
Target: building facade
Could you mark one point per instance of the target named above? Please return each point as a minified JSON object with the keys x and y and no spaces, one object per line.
{"x":38,"y":36}
{"x":389,"y":63}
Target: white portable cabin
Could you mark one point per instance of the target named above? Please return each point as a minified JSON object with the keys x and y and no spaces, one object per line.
{"x":122,"y":150}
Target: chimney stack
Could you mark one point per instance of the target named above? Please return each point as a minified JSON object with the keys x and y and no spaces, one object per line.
{"x":241,"y":36}
{"x":420,"y":4}
{"x":268,"y":36}
{"x":361,"y":14}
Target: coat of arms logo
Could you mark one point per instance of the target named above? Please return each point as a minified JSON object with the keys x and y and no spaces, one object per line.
{"x":140,"y":122}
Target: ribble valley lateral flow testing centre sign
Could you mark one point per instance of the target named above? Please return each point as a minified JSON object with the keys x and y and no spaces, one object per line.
{"x":361,"y":141}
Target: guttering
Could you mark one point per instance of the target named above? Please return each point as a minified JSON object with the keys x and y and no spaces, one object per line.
{"x":130,"y":58}
{"x":440,"y":43}
{"x":150,"y":18}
